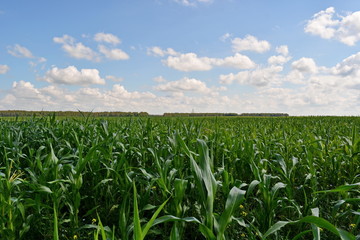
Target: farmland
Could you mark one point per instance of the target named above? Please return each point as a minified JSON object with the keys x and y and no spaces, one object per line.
{"x":180,"y":178}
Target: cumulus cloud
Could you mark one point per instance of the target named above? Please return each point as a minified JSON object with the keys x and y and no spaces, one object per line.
{"x":278,"y":60}
{"x":305,"y":65}
{"x":188,"y":62}
{"x":345,"y":73}
{"x":350,"y":66}
{"x":39,"y":60}
{"x":113,"y":54}
{"x":323,"y":90}
{"x":237,"y":61}
{"x":185,"y":84}
{"x":20,"y":51}
{"x":328,"y":91}
{"x":259,"y":77}
{"x":281,"y":59}
{"x":192,"y":3}
{"x":114,"y":79}
{"x":283,"y":50}
{"x":250,"y":43}
{"x":159,"y":79}
{"x":72,"y":76}
{"x":329,"y":25}
{"x":76,"y":50}
{"x":4,"y":69}
{"x":107,"y":37}
{"x":24,"y":95}
{"x":27,"y":90}
{"x":225,"y":37}
{"x":80,"y":51}
{"x":159,"y":52}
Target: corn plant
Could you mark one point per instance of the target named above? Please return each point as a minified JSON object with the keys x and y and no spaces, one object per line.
{"x":179,"y":178}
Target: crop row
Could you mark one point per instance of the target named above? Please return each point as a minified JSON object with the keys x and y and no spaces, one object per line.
{"x":180,"y":178}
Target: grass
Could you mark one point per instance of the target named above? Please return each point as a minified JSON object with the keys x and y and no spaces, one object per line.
{"x":180,"y":178}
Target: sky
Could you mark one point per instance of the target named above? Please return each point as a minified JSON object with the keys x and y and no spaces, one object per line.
{"x":300,"y":57}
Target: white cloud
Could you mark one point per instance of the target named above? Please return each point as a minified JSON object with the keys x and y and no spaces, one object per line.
{"x":185,"y":84}
{"x":114,"y":79}
{"x":322,"y":24}
{"x":76,"y":50}
{"x":119,"y":90}
{"x":80,"y":51}
{"x":296,"y":77}
{"x":72,"y":76}
{"x":250,"y":43}
{"x":26,"y":89}
{"x":113,"y":54}
{"x":259,"y":77}
{"x":329,"y":25}
{"x":226,"y":36}
{"x":237,"y":61}
{"x":24,"y":95}
{"x":107,"y":37}
{"x":20,"y":51}
{"x":39,"y":60}
{"x":158,"y":52}
{"x":332,"y":90}
{"x":322,"y":93}
{"x":159,"y":79}
{"x":188,"y":62}
{"x":278,"y":60}
{"x":192,"y":3}
{"x":281,"y":59}
{"x":65,"y":39}
{"x":4,"y":69}
{"x":345,"y":73}
{"x":305,"y":65}
{"x":283,"y":50}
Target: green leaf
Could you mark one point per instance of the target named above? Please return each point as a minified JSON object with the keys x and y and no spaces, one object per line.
{"x":235,"y":197}
{"x":171,"y":218}
{"x":277,"y":186}
{"x":275,"y":228}
{"x":44,"y":189}
{"x":343,"y":188}
{"x":208,"y":234}
{"x":318,"y":221}
{"x":137,"y":226}
{"x":151,"y":221}
{"x":251,"y":187}
{"x":102,"y":229}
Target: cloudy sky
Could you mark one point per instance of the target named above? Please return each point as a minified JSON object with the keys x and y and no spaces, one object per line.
{"x":301,"y":57}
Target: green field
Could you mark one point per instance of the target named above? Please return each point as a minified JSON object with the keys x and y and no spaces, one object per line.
{"x":180,"y":178}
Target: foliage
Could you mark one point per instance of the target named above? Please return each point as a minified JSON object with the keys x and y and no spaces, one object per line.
{"x":180,"y":178}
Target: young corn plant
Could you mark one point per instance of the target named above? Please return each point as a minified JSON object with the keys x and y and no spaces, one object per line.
{"x":212,"y":227}
{"x":141,"y":231}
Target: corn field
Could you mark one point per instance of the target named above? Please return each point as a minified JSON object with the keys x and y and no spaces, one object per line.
{"x":180,"y":178}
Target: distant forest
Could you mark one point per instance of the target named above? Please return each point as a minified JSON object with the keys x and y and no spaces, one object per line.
{"x":21,"y":113}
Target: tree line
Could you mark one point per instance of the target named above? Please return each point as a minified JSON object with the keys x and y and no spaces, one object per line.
{"x":20,"y":113}
{"x":23,"y":113}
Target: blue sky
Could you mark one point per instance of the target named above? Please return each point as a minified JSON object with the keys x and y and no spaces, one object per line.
{"x":300,"y":57}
